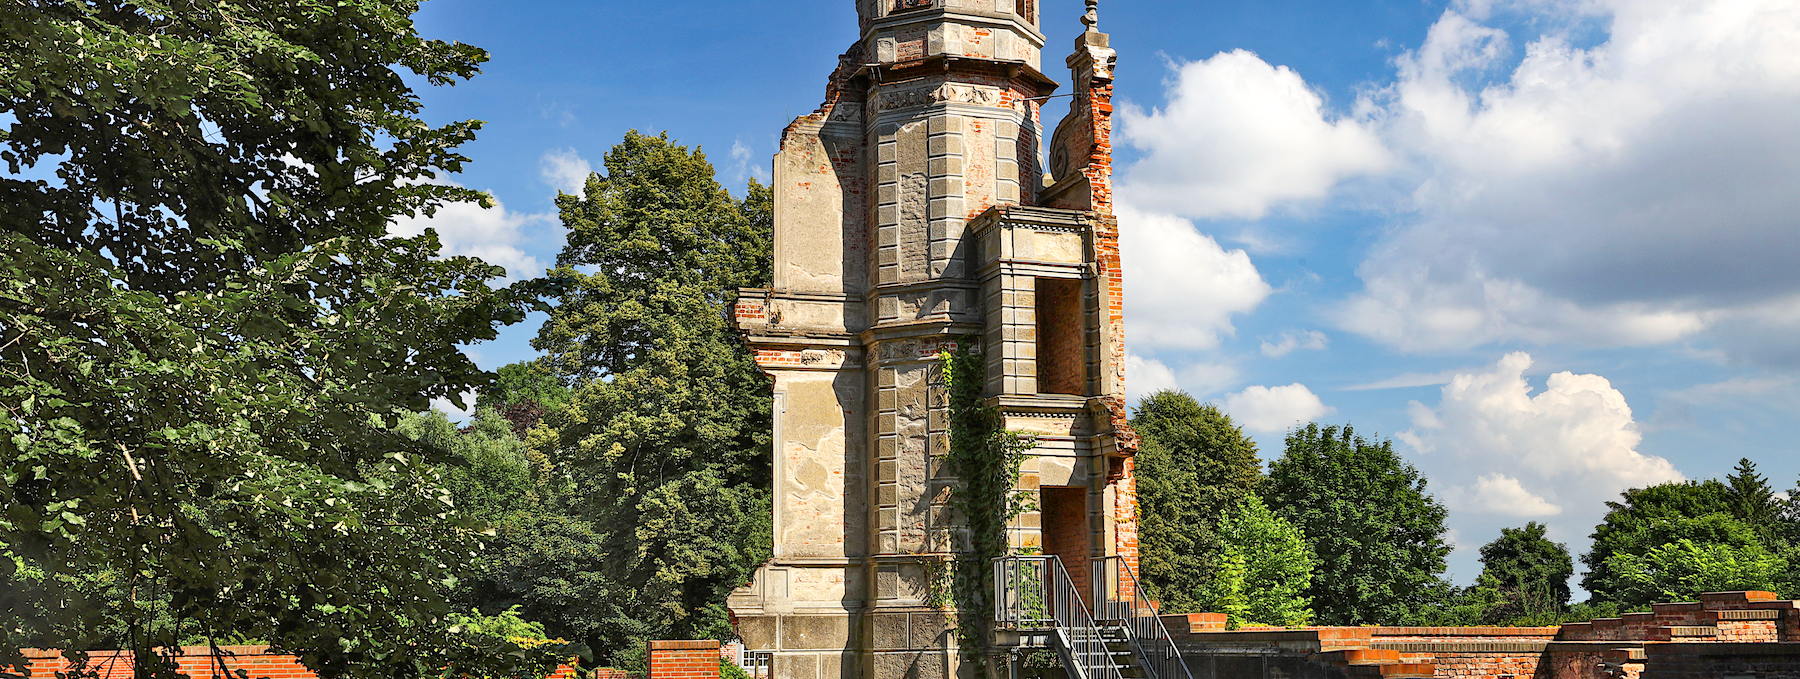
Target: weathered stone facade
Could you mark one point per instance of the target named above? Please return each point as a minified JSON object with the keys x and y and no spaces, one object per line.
{"x":912,"y":211}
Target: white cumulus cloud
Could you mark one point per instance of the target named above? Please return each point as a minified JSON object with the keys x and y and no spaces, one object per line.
{"x":1181,"y":287}
{"x":1239,"y":135}
{"x":1274,"y":409}
{"x":1501,"y":495}
{"x":1146,"y":376}
{"x":1503,"y":453}
{"x":494,"y":235}
{"x":1636,"y":192}
{"x":566,"y":171}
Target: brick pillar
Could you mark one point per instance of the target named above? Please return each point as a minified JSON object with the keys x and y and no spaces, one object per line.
{"x":684,"y":659}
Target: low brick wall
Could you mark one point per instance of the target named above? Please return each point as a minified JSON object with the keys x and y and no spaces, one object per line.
{"x":684,"y":660}
{"x":1725,"y":635}
{"x":199,"y":662}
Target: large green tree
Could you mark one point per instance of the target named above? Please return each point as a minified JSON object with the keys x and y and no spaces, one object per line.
{"x":1194,"y":463}
{"x":1647,"y":518}
{"x":665,"y":435}
{"x":1378,"y":535}
{"x":207,"y":334}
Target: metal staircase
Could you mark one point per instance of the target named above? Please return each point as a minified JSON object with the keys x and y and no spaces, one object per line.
{"x":1122,"y":639}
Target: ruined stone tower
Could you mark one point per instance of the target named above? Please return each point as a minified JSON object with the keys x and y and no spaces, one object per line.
{"x":912,"y":210}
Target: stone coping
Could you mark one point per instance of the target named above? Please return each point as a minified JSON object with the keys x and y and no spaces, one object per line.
{"x":1463,"y":646}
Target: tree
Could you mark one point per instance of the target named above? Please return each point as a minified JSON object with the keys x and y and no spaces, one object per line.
{"x":1267,"y":568}
{"x":1683,"y":569}
{"x":1647,"y":518}
{"x":1193,"y":461}
{"x":1378,"y":535}
{"x":1753,"y":501}
{"x":207,"y":333}
{"x":666,"y":434}
{"x":492,"y":478}
{"x":1529,"y":575}
{"x":522,"y":393}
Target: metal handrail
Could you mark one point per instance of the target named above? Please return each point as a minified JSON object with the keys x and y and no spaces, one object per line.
{"x":1036,"y":593}
{"x":1127,"y":606}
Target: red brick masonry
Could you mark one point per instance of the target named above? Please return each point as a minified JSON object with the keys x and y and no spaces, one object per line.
{"x":1725,"y":635}
{"x":198,"y":661}
{"x":684,"y":660}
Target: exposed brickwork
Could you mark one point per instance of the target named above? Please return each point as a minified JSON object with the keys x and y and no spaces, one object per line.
{"x":199,"y":661}
{"x":684,"y":659}
{"x":1125,"y":516}
{"x":1062,"y":349}
{"x":1724,"y":635}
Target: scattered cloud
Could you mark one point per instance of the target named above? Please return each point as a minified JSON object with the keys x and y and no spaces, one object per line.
{"x":1637,"y":192}
{"x":1275,"y":409}
{"x":1239,"y":135}
{"x":494,"y":235}
{"x":1311,"y":339}
{"x":566,"y":171}
{"x":743,"y":160}
{"x":1406,"y":381}
{"x":1204,"y":379}
{"x":1146,"y":376}
{"x":1504,"y":453}
{"x":1184,"y":286}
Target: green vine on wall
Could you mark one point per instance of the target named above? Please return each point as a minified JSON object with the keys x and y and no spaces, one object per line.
{"x":986,"y":459}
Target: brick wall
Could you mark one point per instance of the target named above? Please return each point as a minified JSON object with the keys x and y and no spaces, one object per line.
{"x":684,"y":660}
{"x":1065,"y":526}
{"x":198,"y":661}
{"x":194,"y":661}
{"x":1062,"y":342}
{"x":1725,"y":635}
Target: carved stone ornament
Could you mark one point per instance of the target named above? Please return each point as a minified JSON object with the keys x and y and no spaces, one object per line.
{"x":961,"y":94}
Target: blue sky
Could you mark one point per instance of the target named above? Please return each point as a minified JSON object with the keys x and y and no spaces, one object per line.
{"x":1545,"y":246}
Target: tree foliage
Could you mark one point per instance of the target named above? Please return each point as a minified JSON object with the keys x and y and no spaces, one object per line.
{"x":1646,"y":518}
{"x":1683,"y":569}
{"x":1266,"y":568}
{"x":1525,"y":563}
{"x":986,"y":459}
{"x":1193,"y":461}
{"x":664,"y":435}
{"x":207,"y":333}
{"x":1753,"y":500}
{"x":1378,"y":535}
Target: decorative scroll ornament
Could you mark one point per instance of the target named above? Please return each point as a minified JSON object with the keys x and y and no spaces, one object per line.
{"x":960,"y":94}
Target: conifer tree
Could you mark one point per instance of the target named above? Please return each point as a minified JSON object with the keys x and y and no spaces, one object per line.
{"x":666,"y":432}
{"x":1753,"y":500}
